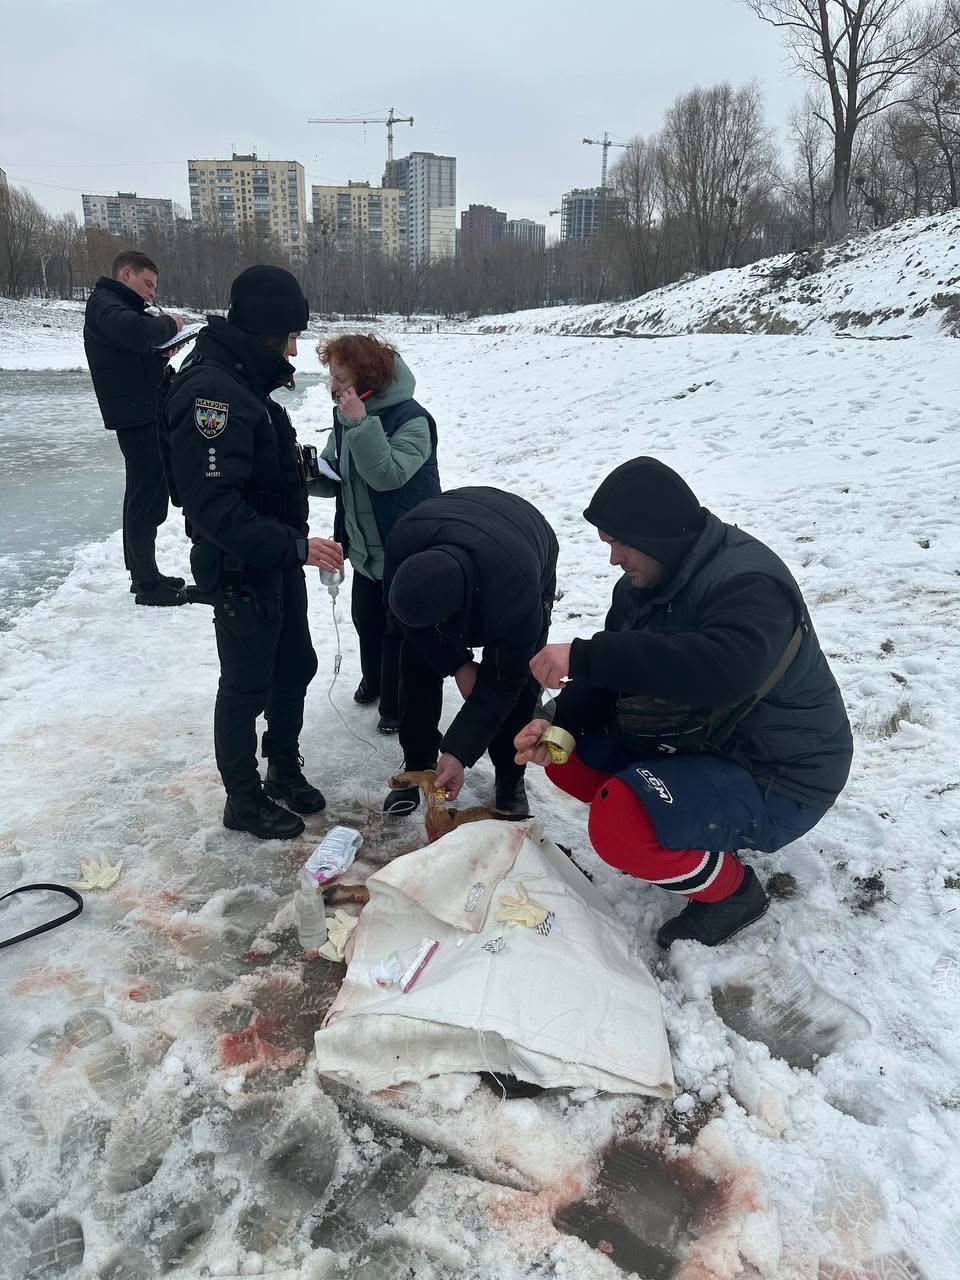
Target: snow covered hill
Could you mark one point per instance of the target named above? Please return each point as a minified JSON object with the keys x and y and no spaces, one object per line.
{"x":160,"y":1105}
{"x":902,"y":281}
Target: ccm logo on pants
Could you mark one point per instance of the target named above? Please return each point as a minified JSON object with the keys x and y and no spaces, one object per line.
{"x":656,"y":785}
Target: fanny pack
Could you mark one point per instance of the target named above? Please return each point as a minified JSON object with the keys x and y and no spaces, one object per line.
{"x":646,"y":726}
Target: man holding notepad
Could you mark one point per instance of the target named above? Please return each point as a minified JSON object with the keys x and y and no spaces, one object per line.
{"x":121,"y":342}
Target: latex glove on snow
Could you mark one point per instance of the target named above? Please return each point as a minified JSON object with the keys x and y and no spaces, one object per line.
{"x":522,"y":910}
{"x":97,"y":875}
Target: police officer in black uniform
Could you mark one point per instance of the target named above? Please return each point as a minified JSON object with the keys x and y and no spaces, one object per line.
{"x":239,"y":474}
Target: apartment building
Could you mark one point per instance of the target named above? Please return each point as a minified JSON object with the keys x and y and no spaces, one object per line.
{"x":429,"y":183}
{"x":246,"y":192}
{"x":126,"y":214}
{"x":360,"y":214}
{"x":480,"y":225}
{"x":532,"y":235}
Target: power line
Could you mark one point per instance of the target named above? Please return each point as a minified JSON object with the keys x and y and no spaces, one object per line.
{"x":94,"y":164}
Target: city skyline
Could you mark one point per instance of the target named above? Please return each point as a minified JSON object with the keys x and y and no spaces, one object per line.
{"x":511,"y":97}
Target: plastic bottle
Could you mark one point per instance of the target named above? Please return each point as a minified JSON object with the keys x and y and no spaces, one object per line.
{"x":310,"y":911}
{"x":334,"y":854}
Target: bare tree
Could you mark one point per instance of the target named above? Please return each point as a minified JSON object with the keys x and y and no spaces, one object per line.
{"x":914,"y":168}
{"x":864,"y":51}
{"x":811,"y":157}
{"x":22,"y":222}
{"x":637,"y":179}
{"x":935,"y":102}
{"x":719,"y":170}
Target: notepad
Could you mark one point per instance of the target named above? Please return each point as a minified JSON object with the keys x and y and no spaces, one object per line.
{"x":186,"y":334}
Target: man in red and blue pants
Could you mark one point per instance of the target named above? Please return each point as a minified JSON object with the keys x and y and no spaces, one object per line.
{"x":708,"y":631}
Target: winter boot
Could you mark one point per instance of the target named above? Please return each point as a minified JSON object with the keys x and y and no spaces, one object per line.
{"x":158,"y":593}
{"x":714,"y":922}
{"x":401,"y":801}
{"x":510,"y":797}
{"x":364,"y":695}
{"x":285,"y":781}
{"x":388,"y":725}
{"x":254,"y":812}
{"x":162,"y":580}
{"x":193,"y":595}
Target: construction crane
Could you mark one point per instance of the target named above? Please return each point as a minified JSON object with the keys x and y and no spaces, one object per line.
{"x":606,"y":143}
{"x":389,"y":120}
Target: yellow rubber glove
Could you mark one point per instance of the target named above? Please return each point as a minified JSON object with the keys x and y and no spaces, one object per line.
{"x":339,"y":928}
{"x":522,"y":909}
{"x":97,"y":875}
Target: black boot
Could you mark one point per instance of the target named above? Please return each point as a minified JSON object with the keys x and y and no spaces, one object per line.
{"x":401,"y":801}
{"x":388,"y":725}
{"x":162,"y":580}
{"x":156,"y":593}
{"x":193,"y":595}
{"x":714,"y":922}
{"x":285,"y":781}
{"x":364,"y":695}
{"x":256,"y":813}
{"x":510,"y":797}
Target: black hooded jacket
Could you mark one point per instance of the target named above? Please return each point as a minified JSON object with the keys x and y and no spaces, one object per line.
{"x":119,"y":339}
{"x":233,"y":457}
{"x":508,"y":554}
{"x":708,"y":638}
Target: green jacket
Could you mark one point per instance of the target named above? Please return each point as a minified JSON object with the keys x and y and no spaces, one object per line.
{"x":370,"y":461}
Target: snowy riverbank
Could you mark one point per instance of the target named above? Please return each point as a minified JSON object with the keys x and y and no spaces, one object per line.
{"x":155,"y":1053}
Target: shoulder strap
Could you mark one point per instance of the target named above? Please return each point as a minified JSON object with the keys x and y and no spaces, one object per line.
{"x":725,"y":719}
{"x":50,"y":924}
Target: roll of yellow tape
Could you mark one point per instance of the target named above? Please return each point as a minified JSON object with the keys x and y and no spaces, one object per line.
{"x":559,"y":743}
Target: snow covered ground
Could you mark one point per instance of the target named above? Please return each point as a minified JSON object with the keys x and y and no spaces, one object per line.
{"x":160,"y":1110}
{"x":900,"y":282}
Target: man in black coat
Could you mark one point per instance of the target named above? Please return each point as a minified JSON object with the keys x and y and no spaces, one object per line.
{"x":704,"y":719}
{"x":120,"y":341}
{"x":473,"y":567}
{"x":239,"y":475}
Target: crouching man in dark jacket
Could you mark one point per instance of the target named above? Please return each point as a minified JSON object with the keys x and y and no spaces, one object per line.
{"x":705,"y":718}
{"x":473,"y":567}
{"x":239,"y":475}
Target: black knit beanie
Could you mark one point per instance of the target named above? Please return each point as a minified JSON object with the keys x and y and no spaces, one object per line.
{"x":428,"y":588}
{"x":649,"y":507}
{"x":268,"y":300}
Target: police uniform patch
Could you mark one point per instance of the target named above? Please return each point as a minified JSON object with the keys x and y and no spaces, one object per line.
{"x":210,"y":417}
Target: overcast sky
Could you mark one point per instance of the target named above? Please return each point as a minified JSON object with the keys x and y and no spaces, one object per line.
{"x":101,"y":96}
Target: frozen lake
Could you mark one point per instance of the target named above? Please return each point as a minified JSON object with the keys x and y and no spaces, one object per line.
{"x":61,"y":482}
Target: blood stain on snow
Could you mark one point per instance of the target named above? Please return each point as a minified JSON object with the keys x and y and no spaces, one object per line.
{"x":249,"y":1050}
{"x":45,"y":979}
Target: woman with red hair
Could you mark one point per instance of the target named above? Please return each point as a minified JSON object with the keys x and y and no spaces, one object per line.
{"x":383,"y":446}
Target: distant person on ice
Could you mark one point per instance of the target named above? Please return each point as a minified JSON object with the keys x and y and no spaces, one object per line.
{"x":384,"y":447}
{"x":473,"y":567}
{"x":119,"y":339}
{"x":705,"y":717}
{"x":240,"y":477}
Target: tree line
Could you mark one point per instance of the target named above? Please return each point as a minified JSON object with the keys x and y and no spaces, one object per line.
{"x":875,"y":139}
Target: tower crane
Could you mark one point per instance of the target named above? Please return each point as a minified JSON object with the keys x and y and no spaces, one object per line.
{"x":390,"y":119}
{"x":606,"y":143}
